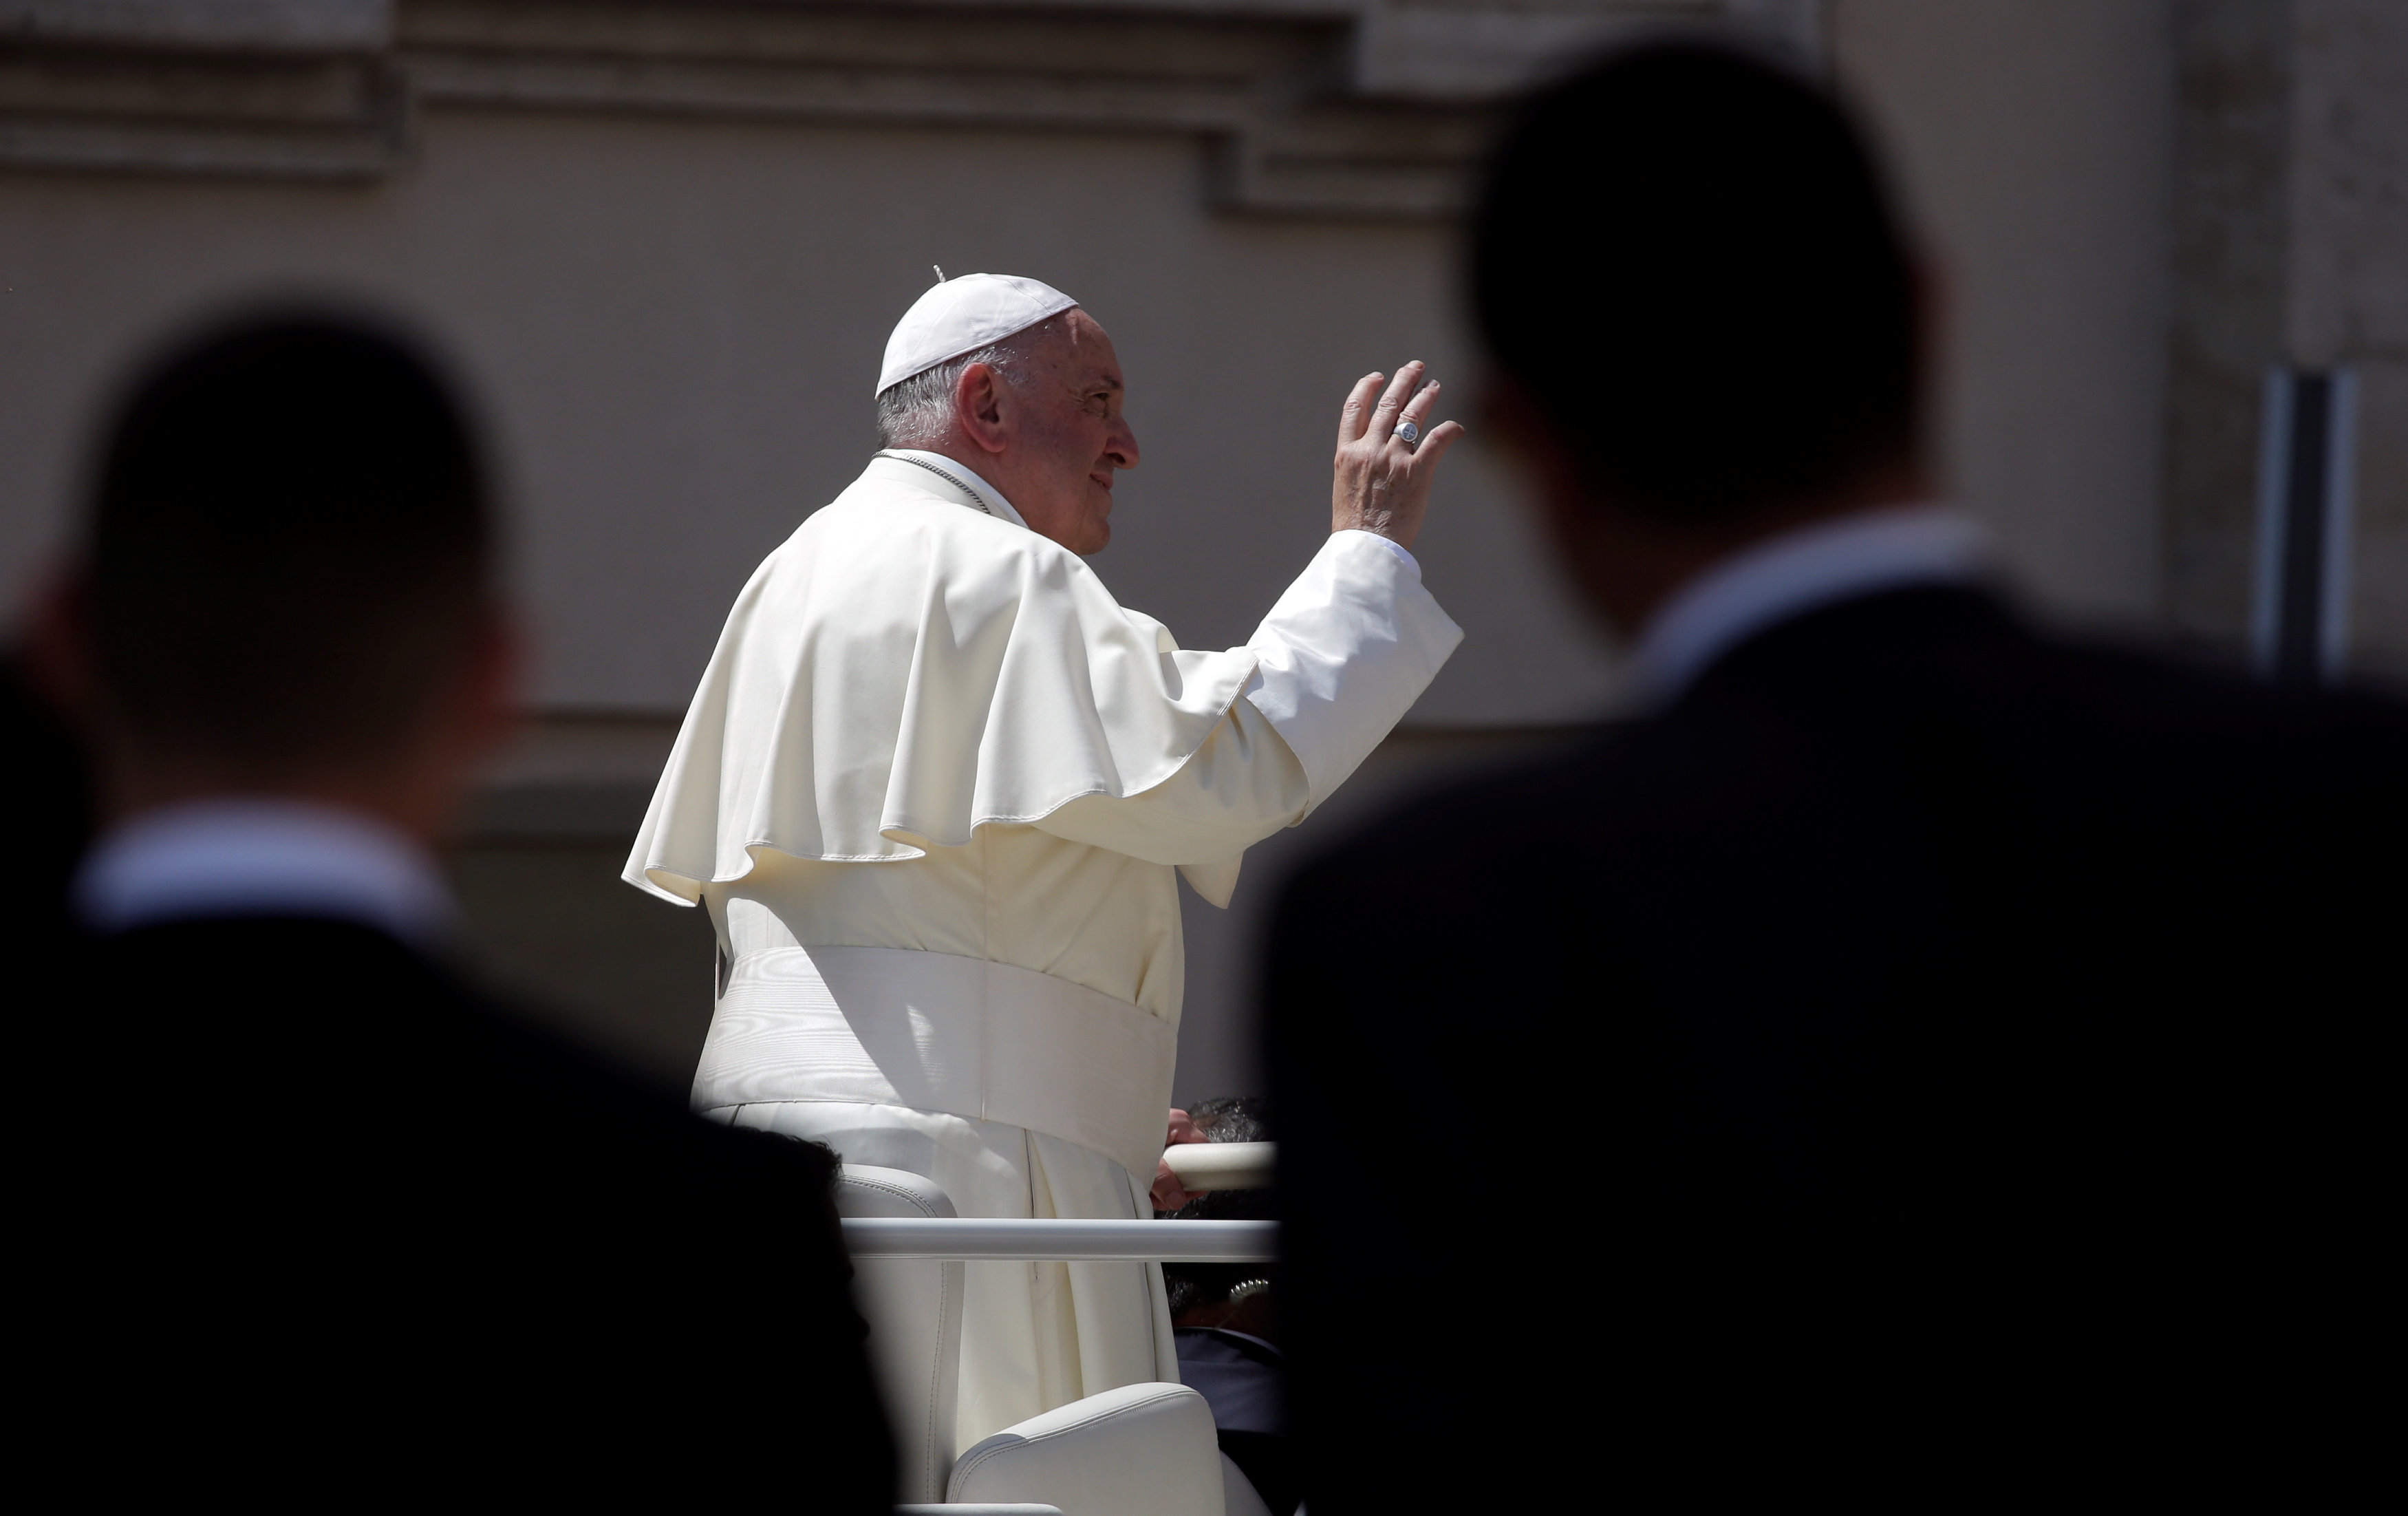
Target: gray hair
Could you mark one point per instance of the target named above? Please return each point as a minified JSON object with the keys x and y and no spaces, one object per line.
{"x":919,"y":410}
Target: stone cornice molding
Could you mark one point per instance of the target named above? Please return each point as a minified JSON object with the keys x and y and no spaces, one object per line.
{"x":1314,"y":107}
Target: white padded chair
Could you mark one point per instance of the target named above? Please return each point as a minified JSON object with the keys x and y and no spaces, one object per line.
{"x":914,"y":1309}
{"x":1142,"y":1449}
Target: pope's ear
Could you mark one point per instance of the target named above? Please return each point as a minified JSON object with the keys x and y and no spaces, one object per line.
{"x":978,"y":405}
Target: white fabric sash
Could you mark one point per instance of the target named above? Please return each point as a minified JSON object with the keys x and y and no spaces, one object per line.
{"x":989,"y":1042}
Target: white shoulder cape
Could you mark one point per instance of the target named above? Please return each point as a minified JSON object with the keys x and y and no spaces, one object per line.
{"x":904,"y":669}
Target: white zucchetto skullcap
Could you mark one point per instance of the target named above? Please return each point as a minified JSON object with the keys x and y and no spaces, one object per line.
{"x":963,"y":315}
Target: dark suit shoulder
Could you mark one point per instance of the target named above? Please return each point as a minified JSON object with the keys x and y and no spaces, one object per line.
{"x":1934,"y":646}
{"x":1920,"y":994}
{"x":386,"y":1190}
{"x":1494,"y":808}
{"x":327,"y":1057}
{"x":1908,"y":687}
{"x":280,"y":1002}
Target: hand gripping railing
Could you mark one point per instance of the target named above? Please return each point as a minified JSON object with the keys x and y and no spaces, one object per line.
{"x":1016,"y":1239}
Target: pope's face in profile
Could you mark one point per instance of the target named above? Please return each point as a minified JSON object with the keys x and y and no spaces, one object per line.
{"x":1064,"y":434}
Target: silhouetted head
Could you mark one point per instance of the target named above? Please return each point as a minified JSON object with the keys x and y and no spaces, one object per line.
{"x":290,"y":557}
{"x":1684,"y":260}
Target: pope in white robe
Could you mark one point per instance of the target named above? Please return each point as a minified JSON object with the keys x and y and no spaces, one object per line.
{"x":936,"y":786}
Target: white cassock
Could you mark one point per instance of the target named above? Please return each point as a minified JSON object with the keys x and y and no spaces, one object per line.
{"x":934,"y":789}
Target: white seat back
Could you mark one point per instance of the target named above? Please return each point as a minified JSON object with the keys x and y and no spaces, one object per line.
{"x":1142,"y":1449}
{"x":913,"y":1307}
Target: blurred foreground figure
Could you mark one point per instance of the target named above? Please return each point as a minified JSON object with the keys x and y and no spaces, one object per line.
{"x":937,"y":788}
{"x":1926,"y":1058}
{"x":45,"y":766}
{"x":312,"y":1214}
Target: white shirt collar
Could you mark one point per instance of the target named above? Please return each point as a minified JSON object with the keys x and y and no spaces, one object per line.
{"x":1785,"y":576}
{"x":255,"y":855}
{"x":980,"y":490}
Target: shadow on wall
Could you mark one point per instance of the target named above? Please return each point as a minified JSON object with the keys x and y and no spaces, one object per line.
{"x":546,"y":918}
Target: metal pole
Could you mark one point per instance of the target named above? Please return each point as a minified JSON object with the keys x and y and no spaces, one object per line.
{"x":1018,"y":1239}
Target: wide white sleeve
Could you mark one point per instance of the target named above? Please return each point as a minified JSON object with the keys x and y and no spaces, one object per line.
{"x":1345,"y":653}
{"x":1340,"y":661}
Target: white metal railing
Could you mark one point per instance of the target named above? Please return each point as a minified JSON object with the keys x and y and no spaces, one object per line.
{"x":1021,"y":1240}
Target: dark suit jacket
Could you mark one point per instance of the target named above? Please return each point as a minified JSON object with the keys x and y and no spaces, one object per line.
{"x":1927,"y":1056}
{"x":313,"y":1218}
{"x":43,"y":768}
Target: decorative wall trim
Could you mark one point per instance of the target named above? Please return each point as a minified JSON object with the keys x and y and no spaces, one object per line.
{"x":1313,"y":107}
{"x":81,"y":106}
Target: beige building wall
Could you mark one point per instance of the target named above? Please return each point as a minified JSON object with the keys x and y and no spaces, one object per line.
{"x":662,"y":244}
{"x":674,"y":327}
{"x":2033,"y":141}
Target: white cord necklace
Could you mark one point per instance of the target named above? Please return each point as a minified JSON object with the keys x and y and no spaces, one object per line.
{"x":923,"y":463}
